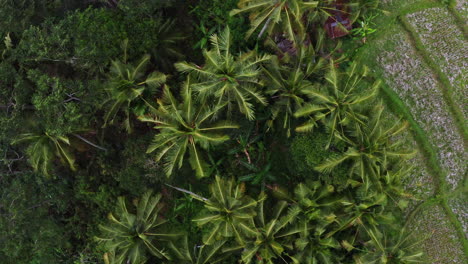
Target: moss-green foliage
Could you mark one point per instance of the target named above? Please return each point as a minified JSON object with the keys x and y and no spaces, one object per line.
{"x":87,"y":40}
{"x":212,"y":15}
{"x":18,"y":15}
{"x":308,"y":151}
{"x":62,"y":105}
{"x":144,"y":8}
{"x":28,"y":226}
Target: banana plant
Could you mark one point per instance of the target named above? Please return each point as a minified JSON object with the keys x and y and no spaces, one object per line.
{"x":227,"y":78}
{"x":128,"y":86}
{"x":185,"y":125}
{"x":229,"y":212}
{"x":133,"y":234}
{"x":274,"y":236}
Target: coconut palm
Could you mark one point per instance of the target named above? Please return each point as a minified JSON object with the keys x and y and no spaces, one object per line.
{"x":215,"y":253}
{"x":166,"y":48}
{"x":371,"y":149}
{"x":320,"y":205}
{"x":314,"y":247}
{"x":319,"y":202}
{"x":289,"y":85}
{"x":185,"y":125}
{"x":339,"y":102}
{"x":276,"y":15}
{"x":128,"y":86}
{"x":132,"y":234}
{"x":402,"y":248}
{"x":226,"y":78}
{"x":275,"y":237}
{"x":367,"y":209}
{"x":44,"y":148}
{"x":229,"y":212}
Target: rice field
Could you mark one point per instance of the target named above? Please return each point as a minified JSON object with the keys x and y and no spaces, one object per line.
{"x":416,"y":85}
{"x":459,"y":208}
{"x":423,"y":59}
{"x":446,"y":45}
{"x":462,"y":8}
{"x":440,"y":241}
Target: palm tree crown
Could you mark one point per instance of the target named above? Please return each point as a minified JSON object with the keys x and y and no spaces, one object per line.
{"x":338,"y":103}
{"x":185,"y":125}
{"x":228,"y":78}
{"x":229,"y":212}
{"x":132,"y":234}
{"x":371,"y":149}
{"x":128,"y":83}
{"x":44,"y":148}
{"x":289,"y":85}
{"x":282,"y":15}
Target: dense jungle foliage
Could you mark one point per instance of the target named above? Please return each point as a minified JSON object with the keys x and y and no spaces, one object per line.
{"x":198,"y":131}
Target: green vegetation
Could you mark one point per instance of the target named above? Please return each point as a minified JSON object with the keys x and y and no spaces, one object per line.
{"x":211,"y":132}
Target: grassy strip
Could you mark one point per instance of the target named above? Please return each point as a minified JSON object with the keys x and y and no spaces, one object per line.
{"x":396,"y":105}
{"x":446,"y":87}
{"x":384,"y":21}
{"x":458,"y":227}
{"x":417,"y":7}
{"x":461,"y":23}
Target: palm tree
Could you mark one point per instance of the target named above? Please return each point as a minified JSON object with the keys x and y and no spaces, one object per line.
{"x":166,"y":49}
{"x":338,"y":103}
{"x":276,"y":15}
{"x":215,"y":253}
{"x":130,"y":235}
{"x":289,"y":85}
{"x":382,"y":248}
{"x":44,"y":148}
{"x":320,"y":205}
{"x":228,"y":78}
{"x":314,"y":247}
{"x":371,"y":149}
{"x":274,"y":237}
{"x":128,"y":86}
{"x":182,"y":126}
{"x":229,"y":212}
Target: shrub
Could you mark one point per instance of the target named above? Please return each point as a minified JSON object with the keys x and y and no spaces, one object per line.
{"x":88,"y":40}
{"x":210,"y":14}
{"x":308,"y":151}
{"x":62,"y":105}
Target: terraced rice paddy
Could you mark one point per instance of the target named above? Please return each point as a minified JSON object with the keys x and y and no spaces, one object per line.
{"x":462,"y":7}
{"x":438,"y":236}
{"x":446,"y":45}
{"x":422,"y":56}
{"x":416,"y":85}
